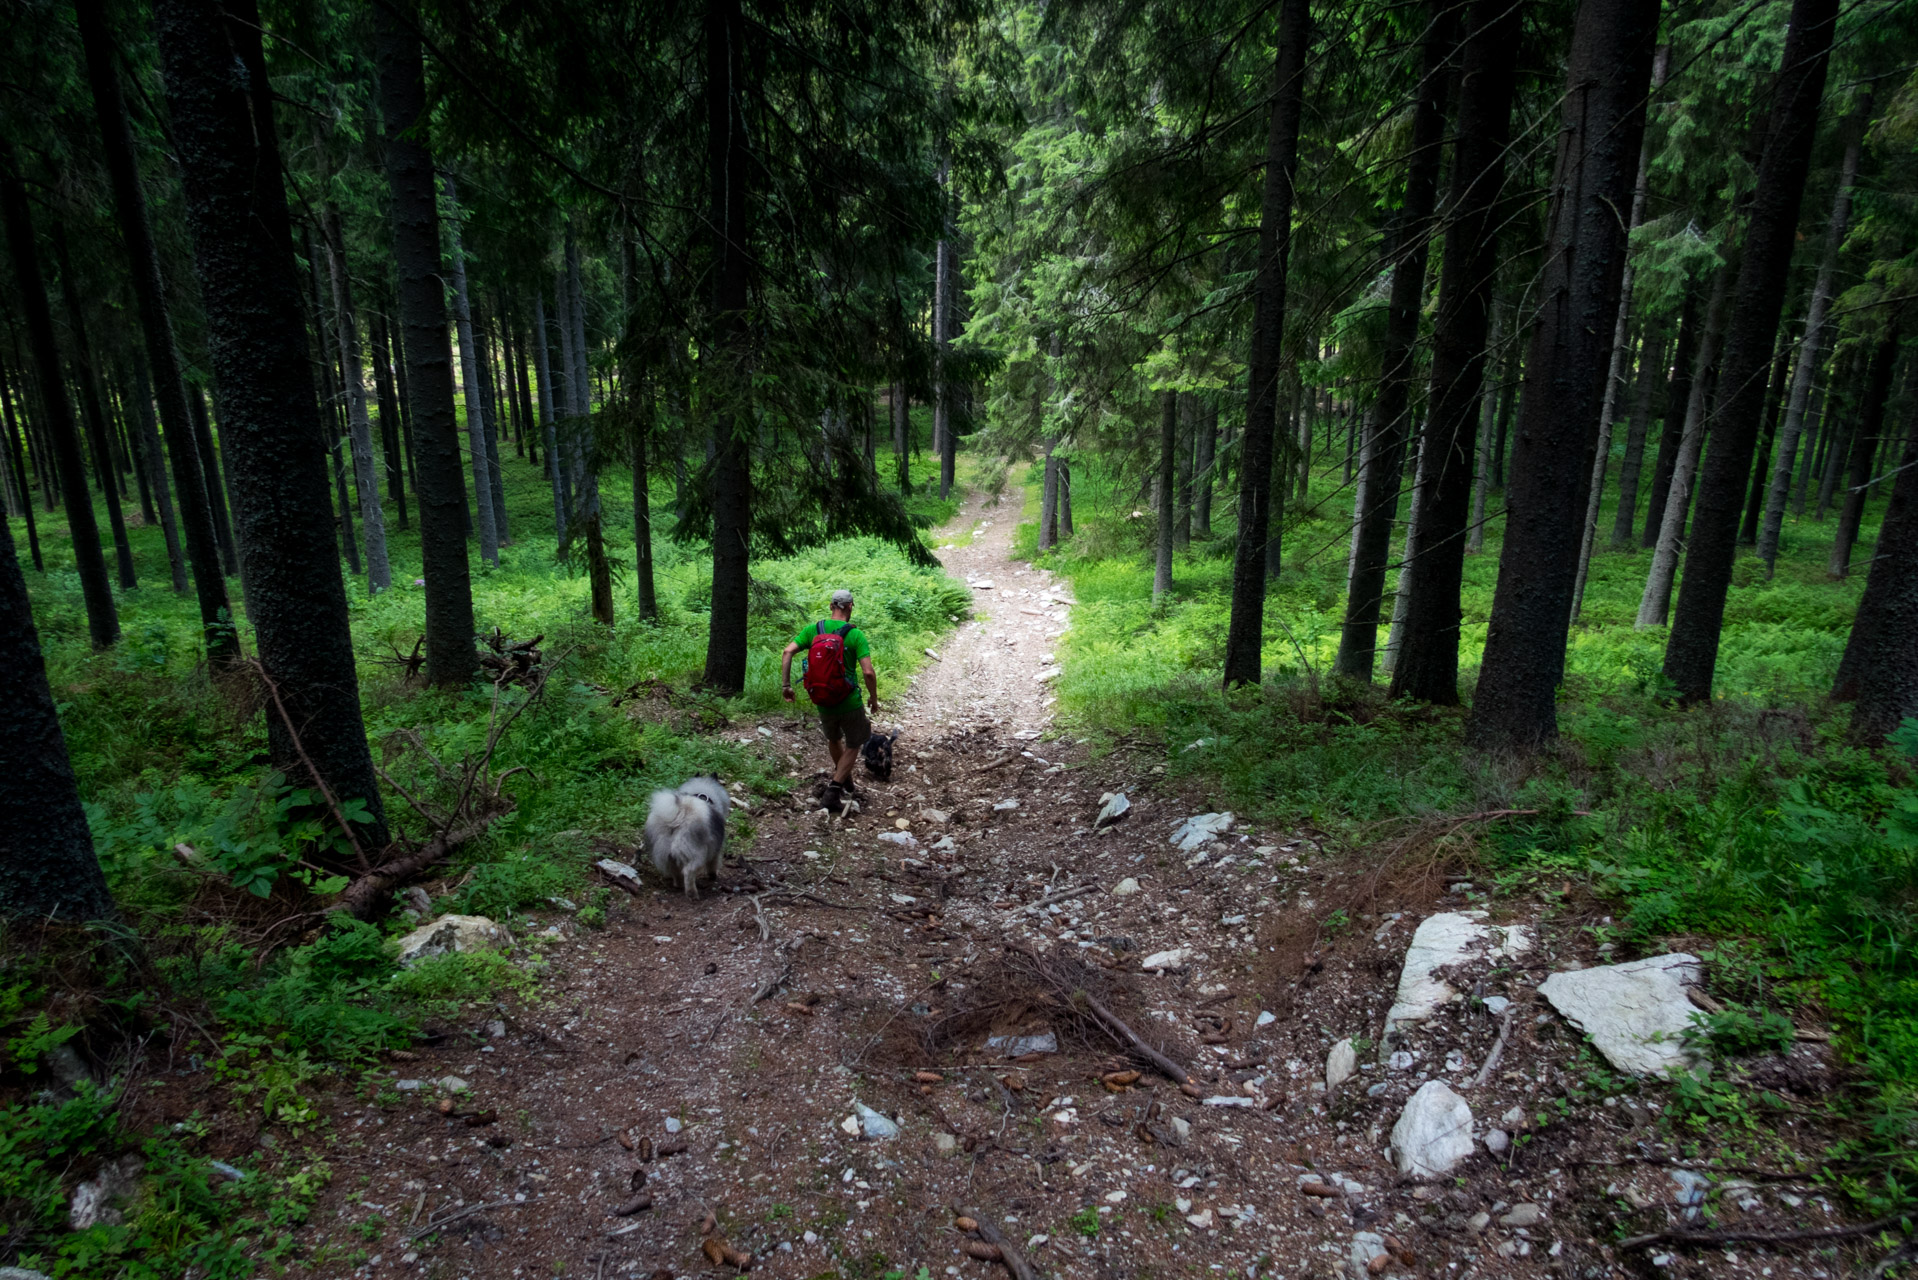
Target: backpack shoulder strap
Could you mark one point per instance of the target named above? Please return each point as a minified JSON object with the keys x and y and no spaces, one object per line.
{"x":844,"y":631}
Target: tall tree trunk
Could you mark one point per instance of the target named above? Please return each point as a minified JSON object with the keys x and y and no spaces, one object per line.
{"x":496,"y":482}
{"x":1425,"y":664}
{"x":215,"y":485}
{"x":1065,"y":494}
{"x":133,"y":444}
{"x":1651,"y":372}
{"x":1864,"y":447}
{"x":1678,"y":396}
{"x":1654,"y":605}
{"x":346,"y":326}
{"x":85,"y":379}
{"x":389,"y":419}
{"x":530,"y":429}
{"x":47,"y":866}
{"x":1879,"y":671}
{"x":543,"y":369}
{"x":17,"y":460}
{"x":1815,"y":424}
{"x":1049,"y":498}
{"x":1762,"y":467}
{"x":566,"y":393}
{"x":228,"y":152}
{"x":1602,"y":120}
{"x":1487,"y":418}
{"x":1621,"y":366}
{"x":640,"y":401}
{"x":725,"y":382}
{"x":163,"y":500}
{"x":1840,"y":419}
{"x":103,"y":620}
{"x":426,"y":378}
{"x":484,"y":521}
{"x":1383,"y":459}
{"x":598,"y":572}
{"x":1182,"y":514}
{"x":1245,"y":631}
{"x":1691,"y":650}
{"x":1163,"y":492}
{"x":1207,"y":450}
{"x":901,"y":429}
{"x":1811,"y":344}
{"x":199,"y":518}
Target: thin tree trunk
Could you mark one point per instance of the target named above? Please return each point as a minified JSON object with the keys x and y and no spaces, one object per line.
{"x":901,"y":425}
{"x":215,"y":486}
{"x":144,"y":466}
{"x":1879,"y":670}
{"x":1182,"y":517}
{"x":1691,"y":650}
{"x":1762,"y":468}
{"x":1678,"y":396}
{"x":103,"y":621}
{"x":200,"y":519}
{"x":1811,"y":344}
{"x":1839,"y":421}
{"x":1065,"y":494}
{"x":1163,"y":490}
{"x":586,"y":460}
{"x":543,"y":369}
{"x":379,"y":574}
{"x":640,"y":402}
{"x":1049,"y":498}
{"x":1427,"y":614}
{"x":1208,"y":447}
{"x":87,"y":382}
{"x":1383,"y":459}
{"x":1651,"y":371}
{"x":491,"y":401}
{"x":243,"y":249}
{"x":1245,"y":631}
{"x":18,"y":461}
{"x":389,"y":419}
{"x":566,"y":405}
{"x":1602,"y":120}
{"x":1864,"y":446}
{"x":530,"y":430}
{"x":724,"y":371}
{"x":1621,"y":362}
{"x":163,"y":500}
{"x":485,"y":522}
{"x":426,"y":374}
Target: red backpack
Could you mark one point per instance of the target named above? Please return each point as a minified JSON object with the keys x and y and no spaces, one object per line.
{"x":826,"y":678}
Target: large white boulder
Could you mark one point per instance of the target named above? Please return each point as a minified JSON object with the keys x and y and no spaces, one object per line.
{"x":449,"y":934}
{"x":1635,"y":1013}
{"x":1434,"y":1132}
{"x":1449,"y":938}
{"x":1201,"y":829}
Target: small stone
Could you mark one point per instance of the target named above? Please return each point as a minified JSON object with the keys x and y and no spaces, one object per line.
{"x":935,"y":817}
{"x":673,"y":1125}
{"x":99,"y":1198}
{"x":1401,"y":1061}
{"x":1125,"y":888}
{"x":1201,"y":829}
{"x":452,"y":1084}
{"x":1201,"y":1220}
{"x":1183,"y":1128}
{"x":1479,"y":1221}
{"x":455,"y":933}
{"x":1522,"y":1215}
{"x":1005,"y":806}
{"x":408,"y":1086}
{"x":874,"y":1125}
{"x":1497,"y":1141}
{"x":810,"y":1237}
{"x":904,"y":824}
{"x":1115,"y":1197}
{"x":1182,"y":1204}
{"x":1166,"y":959}
{"x":1265,"y":1019}
{"x":1019,"y":1046}
{"x":944,"y":1143}
{"x":1341,"y":1064}
{"x":1366,"y":1245}
{"x":901,"y":838}
{"x":1497,"y":1005}
{"x":495,"y":1029}
{"x":1513,"y":1119}
{"x":1113,"y":805}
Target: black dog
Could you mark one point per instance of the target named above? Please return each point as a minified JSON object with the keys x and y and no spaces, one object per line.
{"x":877,"y":755}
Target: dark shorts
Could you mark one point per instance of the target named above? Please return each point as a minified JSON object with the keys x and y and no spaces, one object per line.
{"x":849,"y":726}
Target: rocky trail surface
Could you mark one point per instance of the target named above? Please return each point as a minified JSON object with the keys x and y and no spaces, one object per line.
{"x":968,"y":1002}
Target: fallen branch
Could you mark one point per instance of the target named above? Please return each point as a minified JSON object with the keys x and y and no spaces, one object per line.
{"x":313,"y":770}
{"x":990,"y":765}
{"x":468,"y":1212}
{"x":362,"y":897}
{"x":1116,"y":1027}
{"x":1078,"y":891}
{"x":1763,"y":1237}
{"x":1009,"y":1254}
{"x":1498,"y":1048}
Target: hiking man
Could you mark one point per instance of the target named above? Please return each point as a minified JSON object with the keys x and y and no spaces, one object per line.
{"x":831,"y":649}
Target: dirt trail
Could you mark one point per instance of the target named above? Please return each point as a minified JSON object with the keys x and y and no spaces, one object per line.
{"x":708,"y":1059}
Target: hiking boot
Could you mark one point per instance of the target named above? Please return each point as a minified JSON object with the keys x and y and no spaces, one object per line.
{"x":834,"y":803}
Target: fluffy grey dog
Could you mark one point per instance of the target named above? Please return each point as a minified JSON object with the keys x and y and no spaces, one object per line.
{"x":686,"y":830}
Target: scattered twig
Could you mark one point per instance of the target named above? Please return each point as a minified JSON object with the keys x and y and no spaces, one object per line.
{"x":1498,"y":1048}
{"x":1078,"y":891}
{"x":1117,"y":1027}
{"x":990,"y":765}
{"x":1686,"y":1238}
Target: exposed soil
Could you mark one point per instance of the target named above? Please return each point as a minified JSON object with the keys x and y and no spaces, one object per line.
{"x":649,"y":1069}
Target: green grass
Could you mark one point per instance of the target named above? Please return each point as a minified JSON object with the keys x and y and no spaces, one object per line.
{"x":1748,"y":821}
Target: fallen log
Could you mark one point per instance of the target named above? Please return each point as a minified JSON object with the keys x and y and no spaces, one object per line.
{"x":362,"y":898}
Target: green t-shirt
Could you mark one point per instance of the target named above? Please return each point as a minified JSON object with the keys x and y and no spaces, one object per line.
{"x":857,"y":647}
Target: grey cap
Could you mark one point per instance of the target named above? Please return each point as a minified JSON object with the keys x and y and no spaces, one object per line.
{"x":842,"y":599}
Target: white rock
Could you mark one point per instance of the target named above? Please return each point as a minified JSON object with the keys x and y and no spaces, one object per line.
{"x":1125,"y":888}
{"x":1201,"y":1220}
{"x":1265,"y":1019}
{"x":1366,"y":1245}
{"x":944,"y":1143}
{"x":451,"y":1084}
{"x":1514,"y":1118}
{"x":936,"y":817}
{"x":1434,"y":1132}
{"x":449,"y":934}
{"x":1166,"y":959}
{"x":1115,"y":1197}
{"x":1113,"y":805}
{"x":1195,"y":831}
{"x":1229,"y":1100}
{"x":1005,"y":805}
{"x":1522,"y":1215}
{"x":98,"y":1199}
{"x":901,"y":838}
{"x":1448,"y":938}
{"x":1341,"y":1064}
{"x":408,"y":1086}
{"x":1182,"y":1127}
{"x":874,"y":1125}
{"x":1497,"y":1141}
{"x":1497,"y":1005}
{"x":673,"y":1125}
{"x":1634,"y":1012}
{"x":21,"y":1273}
{"x":983,"y":584}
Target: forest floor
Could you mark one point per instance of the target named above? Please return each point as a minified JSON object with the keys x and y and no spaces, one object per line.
{"x":708,"y":1058}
